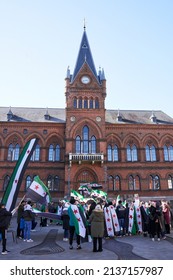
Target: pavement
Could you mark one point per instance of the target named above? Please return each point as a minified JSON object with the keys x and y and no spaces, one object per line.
{"x":49,"y":245}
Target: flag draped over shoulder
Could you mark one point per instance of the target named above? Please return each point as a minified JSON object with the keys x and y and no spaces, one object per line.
{"x":108,"y":221}
{"x":77,"y":219}
{"x":38,"y":191}
{"x":13,"y":187}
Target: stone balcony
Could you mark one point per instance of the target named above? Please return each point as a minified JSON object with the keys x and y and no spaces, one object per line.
{"x":79,"y":158}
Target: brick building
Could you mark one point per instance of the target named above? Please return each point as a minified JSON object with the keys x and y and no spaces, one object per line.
{"x":125,"y":151}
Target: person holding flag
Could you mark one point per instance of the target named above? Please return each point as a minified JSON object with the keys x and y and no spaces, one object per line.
{"x":76,"y":224}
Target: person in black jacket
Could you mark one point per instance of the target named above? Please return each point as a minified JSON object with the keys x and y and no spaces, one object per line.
{"x":5,"y":217}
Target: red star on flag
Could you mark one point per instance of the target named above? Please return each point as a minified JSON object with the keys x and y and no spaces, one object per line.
{"x":139,"y":216}
{"x":113,"y":216}
{"x":138,"y":209}
{"x":16,"y":181}
{"x":109,"y":229}
{"x":75,"y":211}
{"x":107,"y":210}
{"x":36,"y":187}
{"x":108,"y":220}
{"x":28,"y":151}
{"x":79,"y":219}
{"x":139,"y":223}
{"x":116,"y":224}
{"x":130,"y":217}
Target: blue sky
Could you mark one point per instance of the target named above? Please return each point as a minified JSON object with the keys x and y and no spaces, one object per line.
{"x":131,"y":39}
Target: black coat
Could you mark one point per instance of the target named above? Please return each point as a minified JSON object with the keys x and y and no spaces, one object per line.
{"x":5,"y":218}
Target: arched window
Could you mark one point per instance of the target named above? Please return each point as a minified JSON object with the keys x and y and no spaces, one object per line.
{"x":150,"y":152}
{"x":115,"y":153}
{"x":50,"y":157}
{"x":78,"y":145}
{"x":53,"y":183}
{"x":6,"y":181}
{"x":85,"y":103}
{"x":75,"y":102}
{"x":131,"y":183}
{"x":109,"y":153}
{"x":16,"y":152}
{"x":57,"y":153}
{"x":93,"y":145}
{"x":131,"y":153}
{"x":13,"y":152}
{"x":85,"y":139}
{"x":154,"y":182}
{"x":80,"y":103}
{"x":117,"y":183}
{"x":10,"y":152}
{"x":168,"y":153}
{"x":36,"y":153}
{"x":54,"y":153}
{"x":111,"y":183}
{"x":28,"y":182}
{"x":85,"y":144}
{"x":96,"y":103}
{"x":91,"y":103}
{"x":170,"y":182}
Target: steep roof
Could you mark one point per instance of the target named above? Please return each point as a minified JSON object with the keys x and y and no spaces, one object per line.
{"x":57,"y":115}
{"x":84,"y":56}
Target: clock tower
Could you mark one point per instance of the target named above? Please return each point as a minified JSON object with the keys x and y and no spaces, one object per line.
{"x":85,"y":93}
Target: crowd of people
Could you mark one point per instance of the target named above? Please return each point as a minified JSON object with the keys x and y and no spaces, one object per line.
{"x":96,"y":218}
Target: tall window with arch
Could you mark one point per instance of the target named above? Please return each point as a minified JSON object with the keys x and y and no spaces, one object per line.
{"x":36,"y":153}
{"x":13,"y":152}
{"x":28,"y":182}
{"x":112,"y":153}
{"x":134,"y":182}
{"x":150,"y":152}
{"x":53,"y":183}
{"x":54,"y":153}
{"x":168,"y":153}
{"x":154,"y":182}
{"x":6,"y":181}
{"x":132,"y":154}
{"x":86,"y":144}
{"x":170,"y":182}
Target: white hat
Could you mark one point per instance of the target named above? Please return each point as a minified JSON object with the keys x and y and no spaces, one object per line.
{"x":98,"y":207}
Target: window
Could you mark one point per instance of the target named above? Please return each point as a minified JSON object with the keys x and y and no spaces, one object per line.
{"x":54,"y":153}
{"x":131,"y":153}
{"x":75,"y":102}
{"x":96,"y":103}
{"x":86,"y":144}
{"x":13,"y":152}
{"x":154,"y":182}
{"x":150,"y":152}
{"x":28,"y":182}
{"x":6,"y":181}
{"x":168,"y":153}
{"x":112,"y":153}
{"x":170,"y":182}
{"x":80,"y":103}
{"x":36,"y":154}
{"x":134,"y":183}
{"x":53,"y":183}
{"x":91,"y":103}
{"x":85,"y":103}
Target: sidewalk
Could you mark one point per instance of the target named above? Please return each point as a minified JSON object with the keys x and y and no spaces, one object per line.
{"x":52,"y":247}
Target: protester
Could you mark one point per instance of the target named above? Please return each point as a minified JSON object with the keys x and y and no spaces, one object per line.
{"x":65,"y":221}
{"x":28,"y":216}
{"x":5,"y":217}
{"x":20,"y":220}
{"x":97,"y":228}
{"x":121,"y":213}
{"x":72,"y":226}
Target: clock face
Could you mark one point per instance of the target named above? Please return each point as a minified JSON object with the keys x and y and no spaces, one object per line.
{"x":85,"y":79}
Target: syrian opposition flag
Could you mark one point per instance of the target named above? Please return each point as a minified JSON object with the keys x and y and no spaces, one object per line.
{"x":13,"y":187}
{"x":78,"y":221}
{"x":38,"y":191}
{"x":76,"y":195}
{"x":114,"y":218}
{"x":108,"y":220}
